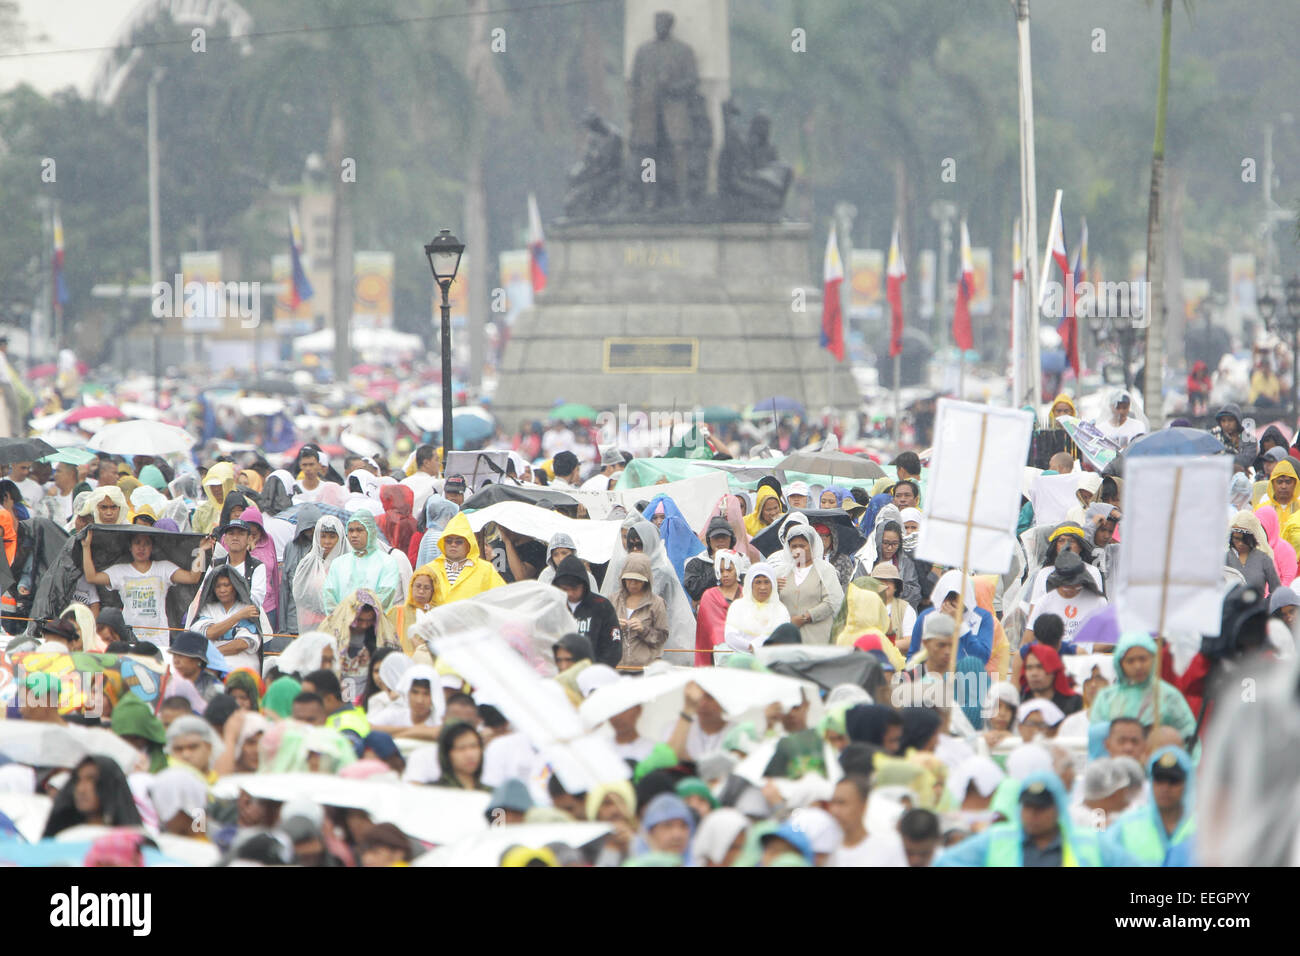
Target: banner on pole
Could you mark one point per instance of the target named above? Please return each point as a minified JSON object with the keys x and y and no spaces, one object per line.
{"x":1175,"y":533}
{"x":973,"y":498}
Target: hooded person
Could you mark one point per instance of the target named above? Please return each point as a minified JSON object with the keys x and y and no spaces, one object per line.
{"x":461,"y":572}
{"x":308,"y":585}
{"x":96,"y":793}
{"x":363,"y":565}
{"x":732,"y":509}
{"x":558,"y":548}
{"x":1150,"y":831}
{"x":755,"y":615}
{"x":263,"y":549}
{"x":310,"y":651}
{"x":135,"y":722}
{"x":277,"y":702}
{"x":763,"y":514}
{"x":1072,"y":595}
{"x":396,"y":523}
{"x":679,"y":542}
{"x":842,"y":561}
{"x":976,"y":638}
{"x":1133,"y":692}
{"x":1041,"y":833}
{"x":888,"y":583}
{"x":1228,"y":428}
{"x":720,"y":838}
{"x":419,"y":600}
{"x":277,"y":492}
{"x":217,"y":484}
{"x":641,"y":534}
{"x":699,"y":573}
{"x":359,"y":627}
{"x":596,"y":616}
{"x":1249,"y":552}
{"x":1054,"y":682}
{"x":808,"y":585}
{"x":711,"y":617}
{"x":225,"y":613}
{"x":886,"y":544}
{"x":1284,"y":555}
{"x":299,"y":546}
{"x":1065,"y":536}
{"x":435,"y":514}
{"x":642,"y":615}
{"x":1282,"y":494}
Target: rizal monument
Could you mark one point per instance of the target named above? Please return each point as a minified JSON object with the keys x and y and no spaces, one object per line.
{"x":675,"y":280}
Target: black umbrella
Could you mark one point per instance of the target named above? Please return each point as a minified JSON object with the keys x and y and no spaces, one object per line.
{"x":24,"y":449}
{"x":529,"y":494}
{"x":829,"y":672}
{"x":850,"y":538}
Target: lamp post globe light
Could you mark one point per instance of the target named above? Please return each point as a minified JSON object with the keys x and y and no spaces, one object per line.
{"x":444,"y":254}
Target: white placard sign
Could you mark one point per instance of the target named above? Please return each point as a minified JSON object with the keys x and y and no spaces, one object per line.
{"x":1170,"y":575}
{"x":972,"y":503}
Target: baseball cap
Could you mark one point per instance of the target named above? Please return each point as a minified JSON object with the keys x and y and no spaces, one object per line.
{"x":1168,"y":770}
{"x":796,"y":488}
{"x":1037,"y":796}
{"x":455,"y":483}
{"x":1276,"y":453}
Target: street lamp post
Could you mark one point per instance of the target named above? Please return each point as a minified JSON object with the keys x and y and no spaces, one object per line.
{"x":1109,"y":326}
{"x":444,"y":254}
{"x":1293,"y":313}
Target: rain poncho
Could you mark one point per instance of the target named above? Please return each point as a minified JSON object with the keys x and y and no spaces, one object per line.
{"x":868,"y":556}
{"x":1284,"y":555}
{"x":264,"y":551}
{"x":681,"y":621}
{"x":113,"y":493}
{"x":309,"y":576}
{"x":406,"y":614}
{"x":396,"y":522}
{"x":354,"y":657}
{"x":977,"y":624}
{"x":865,"y":612}
{"x":562,"y":540}
{"x":303,"y":656}
{"x":477,"y":574}
{"x":753,"y":522}
{"x":437,"y":512}
{"x":370,"y":568}
{"x":221,"y":475}
{"x":750,"y":622}
{"x":819,"y":594}
{"x":1141,"y":831}
{"x":298,"y":547}
{"x":732,"y":508}
{"x":1283,"y":469}
{"x":679,"y":541}
{"x":1124,"y":699}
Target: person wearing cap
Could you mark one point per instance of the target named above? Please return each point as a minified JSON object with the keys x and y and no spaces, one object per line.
{"x":597,"y":618}
{"x":796,"y":495}
{"x":1038,"y":716}
{"x":610,"y":466}
{"x":1066,"y":536}
{"x":642,"y":614}
{"x":935,"y":655}
{"x":1042,"y":834}
{"x":189,"y":653}
{"x":1120,"y":427}
{"x":59,"y":637}
{"x":509,"y":802}
{"x":1106,"y":794}
{"x":1072,"y":594}
{"x":454,"y":489}
{"x":1149,"y":832}
{"x":783,"y":840}
{"x":902,"y":616}
{"x":667,"y":826}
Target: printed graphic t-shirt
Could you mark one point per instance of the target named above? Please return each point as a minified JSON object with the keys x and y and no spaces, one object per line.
{"x":144,"y":598}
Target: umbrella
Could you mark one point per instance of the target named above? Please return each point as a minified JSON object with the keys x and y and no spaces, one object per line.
{"x":93,"y":411}
{"x":24,"y":449}
{"x":529,"y":494}
{"x":1175,"y":441}
{"x":571,"y":412}
{"x":60,"y":853}
{"x":825,"y":666}
{"x":62,"y":745}
{"x":716,"y":414}
{"x":70,"y":456}
{"x":28,"y":812}
{"x":487,"y":847}
{"x":471,"y":424}
{"x":139,"y":437}
{"x":850,"y":538}
{"x":778,"y":403}
{"x":834,"y":464}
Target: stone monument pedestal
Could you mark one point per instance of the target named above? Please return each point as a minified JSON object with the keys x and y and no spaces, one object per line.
{"x":661,"y":316}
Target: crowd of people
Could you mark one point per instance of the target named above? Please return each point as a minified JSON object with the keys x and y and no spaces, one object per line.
{"x":246,"y":620}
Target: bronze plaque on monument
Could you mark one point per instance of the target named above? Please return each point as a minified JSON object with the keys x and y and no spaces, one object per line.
{"x":651,"y":354}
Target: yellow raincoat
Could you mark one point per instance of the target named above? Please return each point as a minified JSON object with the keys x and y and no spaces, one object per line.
{"x":866,"y":613}
{"x":753,"y":523}
{"x":1283,"y":468}
{"x":477,"y":576}
{"x":403,"y":615}
{"x":207,"y":514}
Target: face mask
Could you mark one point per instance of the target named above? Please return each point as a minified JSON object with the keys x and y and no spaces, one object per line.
{"x":910,"y":540}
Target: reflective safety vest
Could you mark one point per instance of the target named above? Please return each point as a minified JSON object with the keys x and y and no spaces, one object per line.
{"x":1004,"y":848}
{"x":354,"y":720}
{"x":1141,"y":836}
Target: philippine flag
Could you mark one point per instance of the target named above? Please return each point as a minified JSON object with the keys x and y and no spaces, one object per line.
{"x":60,"y":287}
{"x":895,"y":274}
{"x":962,"y":334}
{"x":299,"y":286}
{"x":1069,"y":327}
{"x":832,"y":337}
{"x":536,"y":245}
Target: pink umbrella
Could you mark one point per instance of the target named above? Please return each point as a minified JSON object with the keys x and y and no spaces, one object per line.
{"x":94,"y":411}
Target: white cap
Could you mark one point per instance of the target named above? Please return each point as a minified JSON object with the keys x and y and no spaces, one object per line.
{"x":796,"y":488}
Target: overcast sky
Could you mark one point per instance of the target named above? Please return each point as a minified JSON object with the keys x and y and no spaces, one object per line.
{"x":65,"y":25}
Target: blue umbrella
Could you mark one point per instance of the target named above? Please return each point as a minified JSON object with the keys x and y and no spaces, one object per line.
{"x":778,"y":403}
{"x":1176,"y":441}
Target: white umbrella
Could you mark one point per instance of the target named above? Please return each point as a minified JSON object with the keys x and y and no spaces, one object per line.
{"x":429,"y":814}
{"x":486,"y":848}
{"x":360,"y":444}
{"x":28,"y":811}
{"x":138,"y":437}
{"x":176,"y":849}
{"x":62,"y":745}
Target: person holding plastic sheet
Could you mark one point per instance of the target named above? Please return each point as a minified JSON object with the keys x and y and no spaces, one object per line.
{"x":226,"y":614}
{"x":142,"y":584}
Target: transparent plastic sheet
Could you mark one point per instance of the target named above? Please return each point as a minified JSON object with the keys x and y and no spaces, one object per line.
{"x":530,"y":616}
{"x":1249,"y":809}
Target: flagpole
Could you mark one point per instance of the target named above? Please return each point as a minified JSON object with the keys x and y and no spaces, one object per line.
{"x":898,"y":406}
{"x":1028,"y":210}
{"x":1047,"y":256}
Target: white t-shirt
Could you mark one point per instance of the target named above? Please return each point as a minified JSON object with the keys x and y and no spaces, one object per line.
{"x":144,"y":598}
{"x":1073,"y":611}
{"x":32,"y":491}
{"x":882,"y":849}
{"x":211,"y":614}
{"x":1039,"y":590}
{"x":698,"y":743}
{"x":1121,"y":434}
{"x":510,"y":756}
{"x":85,"y":592}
